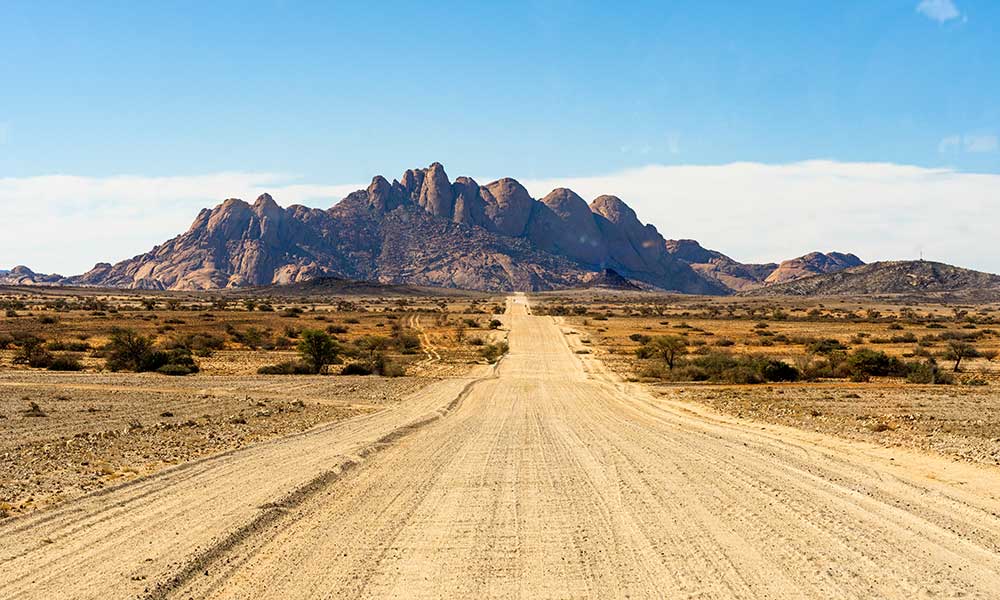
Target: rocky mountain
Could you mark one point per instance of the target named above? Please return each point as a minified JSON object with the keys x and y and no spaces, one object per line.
{"x":422,"y":229}
{"x":739,"y":276}
{"x":915,"y":277}
{"x":712,"y":264}
{"x":814,"y":263}
{"x":22,"y":275}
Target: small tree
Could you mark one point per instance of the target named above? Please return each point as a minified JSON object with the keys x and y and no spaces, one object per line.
{"x":667,"y":348}
{"x":318,"y":349}
{"x":33,"y":353}
{"x":957,"y":350}
{"x":252,"y":338}
{"x":129,"y":351}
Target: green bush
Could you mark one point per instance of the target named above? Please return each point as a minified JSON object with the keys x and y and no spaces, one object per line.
{"x":292,"y":367}
{"x":177,"y":370}
{"x":65,"y":363}
{"x":357,"y":368}
{"x":31,"y":351}
{"x":827,"y":346}
{"x":130,"y":351}
{"x":865,"y":363}
{"x":318,"y":349}
{"x":493,"y":352}
{"x":928,"y":372}
{"x":722,"y":367}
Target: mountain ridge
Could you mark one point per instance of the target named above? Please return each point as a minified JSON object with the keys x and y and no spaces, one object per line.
{"x":906,"y":277}
{"x":426,"y":230}
{"x":422,"y":229}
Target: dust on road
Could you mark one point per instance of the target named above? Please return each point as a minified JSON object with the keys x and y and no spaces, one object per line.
{"x":543,"y":478}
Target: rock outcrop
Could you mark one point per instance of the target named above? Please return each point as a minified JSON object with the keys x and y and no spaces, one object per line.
{"x":814,"y":263}
{"x":734,"y":275}
{"x":916,"y":278}
{"x":423,"y":229}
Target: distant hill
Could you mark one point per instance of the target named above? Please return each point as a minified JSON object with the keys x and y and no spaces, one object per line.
{"x":912,"y":277}
{"x":739,"y":276}
{"x":22,"y":275}
{"x":712,"y":264}
{"x":814,"y":263}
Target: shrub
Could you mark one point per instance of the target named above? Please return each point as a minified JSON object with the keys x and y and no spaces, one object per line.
{"x":493,"y":352}
{"x":406,"y":342}
{"x":65,"y":363}
{"x":640,"y":338}
{"x":292,"y":367}
{"x":495,"y":324}
{"x":825,"y":347}
{"x":130,"y":351}
{"x":723,"y":367}
{"x":356,"y":368}
{"x":199,"y":344}
{"x":32,"y":352}
{"x":177,"y":369}
{"x":928,"y":372}
{"x":865,"y":363}
{"x":318,"y":349}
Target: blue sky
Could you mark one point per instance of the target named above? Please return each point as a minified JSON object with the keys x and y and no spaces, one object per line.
{"x":538,"y":89}
{"x":332,"y":93}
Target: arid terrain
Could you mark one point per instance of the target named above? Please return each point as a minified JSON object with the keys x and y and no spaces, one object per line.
{"x":576,"y":466}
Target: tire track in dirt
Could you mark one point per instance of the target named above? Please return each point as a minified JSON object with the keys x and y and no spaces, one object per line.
{"x":550,"y":479}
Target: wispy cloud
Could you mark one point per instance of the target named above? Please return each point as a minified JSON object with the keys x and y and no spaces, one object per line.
{"x":939,"y":10}
{"x":67,"y":223}
{"x":760,"y":212}
{"x":980,"y":143}
{"x":972,"y":143}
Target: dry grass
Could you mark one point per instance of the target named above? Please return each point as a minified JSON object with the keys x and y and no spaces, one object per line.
{"x":88,"y":319}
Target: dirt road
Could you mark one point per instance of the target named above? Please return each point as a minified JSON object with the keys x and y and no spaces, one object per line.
{"x":545,"y":479}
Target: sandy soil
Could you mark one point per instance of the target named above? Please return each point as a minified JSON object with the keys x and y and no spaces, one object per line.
{"x":548,"y":478}
{"x":959,"y":422}
{"x":95,"y":430}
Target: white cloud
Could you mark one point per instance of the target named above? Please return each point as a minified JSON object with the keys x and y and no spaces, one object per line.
{"x":939,"y":10}
{"x":972,"y":143}
{"x":65,"y":224}
{"x":750,"y":211}
{"x":761,"y":213}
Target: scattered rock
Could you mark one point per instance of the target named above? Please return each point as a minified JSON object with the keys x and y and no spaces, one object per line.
{"x":34,"y":411}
